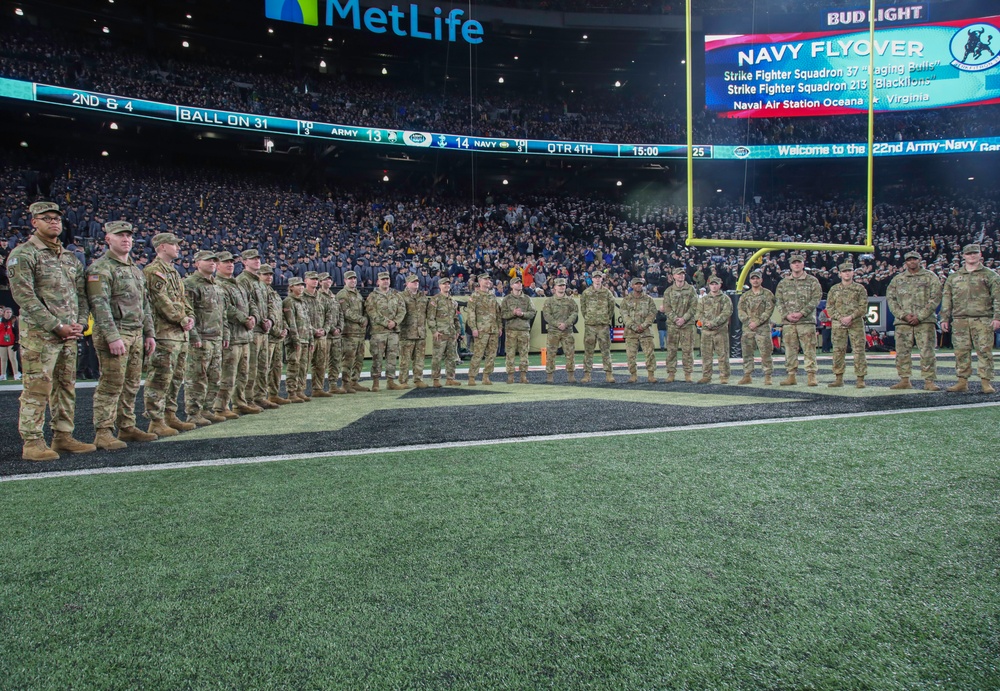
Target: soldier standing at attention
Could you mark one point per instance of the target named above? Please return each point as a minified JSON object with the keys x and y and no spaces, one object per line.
{"x":172,"y":322}
{"x":255,"y":391}
{"x":123,"y":330}
{"x":204,"y":362}
{"x":47,"y":283}
{"x":413,"y":334}
{"x":517,"y":312}
{"x":639,"y":315}
{"x":847,"y":303}
{"x":385,"y":310}
{"x":714,"y":311}
{"x":680,"y":305}
{"x":597,"y":304}
{"x":334,"y":331}
{"x":352,"y":306}
{"x":970,"y":309}
{"x":318,"y":315}
{"x":560,"y":314}
{"x":276,"y":338}
{"x":913,"y":296}
{"x":442,"y":322}
{"x":797,"y":297}
{"x":755,"y":309}
{"x":235,"y":356}
{"x":296,"y":314}
{"x":483,"y":315}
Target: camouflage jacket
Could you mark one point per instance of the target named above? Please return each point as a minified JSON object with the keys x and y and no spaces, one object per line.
{"x":638,"y":312}
{"x":256,"y":291}
{"x":597,"y":305}
{"x":798,"y":295}
{"x":562,"y":310}
{"x":512,"y":302}
{"x":714,"y":311}
{"x":334,"y":317}
{"x":414,"y":326}
{"x":48,"y":285}
{"x":846,"y":301}
{"x":296,"y":314}
{"x":756,"y":307}
{"x":918,"y":294}
{"x":317,"y":315}
{"x":680,"y":303}
{"x":352,"y":306}
{"x":166,"y":297}
{"x":237,"y":310}
{"x":382,"y":308}
{"x":118,"y":299}
{"x":442,"y":315}
{"x":207,"y":304}
{"x":482,"y":313}
{"x":971,"y":294}
{"x":276,"y":314}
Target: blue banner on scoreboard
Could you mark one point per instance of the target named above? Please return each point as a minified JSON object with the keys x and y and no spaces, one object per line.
{"x":933,"y":65}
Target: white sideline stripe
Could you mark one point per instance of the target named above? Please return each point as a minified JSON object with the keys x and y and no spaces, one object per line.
{"x":247,"y":460}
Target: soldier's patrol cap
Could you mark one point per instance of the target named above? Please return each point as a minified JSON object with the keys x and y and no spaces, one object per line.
{"x":515,"y":279}
{"x":638,"y":281}
{"x":266,"y":269}
{"x":715,"y":279}
{"x":295,"y":281}
{"x":846,"y":266}
{"x":486,"y":276}
{"x":911,"y":255}
{"x":39,"y":208}
{"x":118,"y":227}
{"x":323,"y":275}
{"x":677,"y":270}
{"x":224,"y":257}
{"x":559,"y":282}
{"x":412,"y":278}
{"x":312,"y":275}
{"x":204,"y":255}
{"x":756,"y":274}
{"x":444,"y":279}
{"x":349,"y":274}
{"x":383,"y":274}
{"x":971,"y":249}
{"x":165,"y":239}
{"x":250,"y":254}
{"x":797,"y":258}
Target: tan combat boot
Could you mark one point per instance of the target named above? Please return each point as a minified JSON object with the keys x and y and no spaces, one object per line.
{"x":550,"y":378}
{"x":227,"y":414}
{"x":723,"y":380}
{"x":452,"y":382}
{"x":959,"y":386}
{"x":609,"y":378}
{"x":248,"y":410}
{"x":38,"y":450}
{"x":747,"y":379}
{"x":571,"y":376}
{"x":161,"y":429}
{"x":651,"y":378}
{"x":707,"y":379}
{"x":278,"y":400}
{"x":173,"y":421}
{"x":687,"y":377}
{"x":929,"y":385}
{"x":64,"y":441}
{"x":294,"y":397}
{"x":212,"y":416}
{"x":393,"y":386}
{"x":419,"y":384}
{"x":811,"y":380}
{"x":486,"y":380}
{"x":199,"y":420}
{"x":837,"y":382}
{"x":104,"y":439}
{"x":472,"y":381}
{"x":510,"y":378}
{"x":670,"y":377}
{"x":632,"y":379}
{"x":860,"y":383}
{"x":260,"y":403}
{"x":524,"y":378}
{"x":903,"y":383}
{"x":586,"y":377}
{"x":375,"y":384}
{"x":320,"y":393}
{"x":986,"y":388}
{"x":436,"y":383}
{"x":403,"y":383}
{"x":136,"y":434}
{"x":767,"y":380}
{"x":789,"y":380}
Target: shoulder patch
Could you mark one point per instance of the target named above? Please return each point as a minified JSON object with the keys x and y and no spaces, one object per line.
{"x":157,"y":273}
{"x":12,"y":263}
{"x":94,"y":277}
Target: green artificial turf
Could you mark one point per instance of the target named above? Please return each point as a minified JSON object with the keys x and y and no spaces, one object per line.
{"x":844,"y":554}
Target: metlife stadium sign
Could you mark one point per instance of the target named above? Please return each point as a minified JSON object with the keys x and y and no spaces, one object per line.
{"x":406,"y":23}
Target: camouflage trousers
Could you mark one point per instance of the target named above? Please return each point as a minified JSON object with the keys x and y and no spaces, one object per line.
{"x":353,"y":351}
{"x":411,"y":357}
{"x":49,"y":378}
{"x":680,"y":338}
{"x":114,"y":397}
{"x":444,"y":350}
{"x":556,"y":339}
{"x":715,"y":344}
{"x":594,"y":336}
{"x":295,"y":375}
{"x":318,"y":360}
{"x":204,"y":369}
{"x":761,"y":338}
{"x":263,"y":364}
{"x":518,"y":343}
{"x":164,"y":378}
{"x":246,"y":372}
{"x":925,"y":338}
{"x":967,"y":332}
{"x":632,"y":343}
{"x":235,"y":359}
{"x":484,"y":350}
{"x":385,"y":353}
{"x":275,"y":362}
{"x":795,"y":337}
{"x":335,"y":358}
{"x":839,"y":335}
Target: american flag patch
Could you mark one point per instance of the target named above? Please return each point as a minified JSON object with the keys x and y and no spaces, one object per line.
{"x":93,"y":277}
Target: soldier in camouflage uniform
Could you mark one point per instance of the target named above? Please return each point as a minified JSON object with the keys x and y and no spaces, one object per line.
{"x":680,"y":305}
{"x":714,"y":311}
{"x":171,"y":323}
{"x":386,"y":310}
{"x":47,"y":283}
{"x":847,"y":303}
{"x":797,"y":297}
{"x":517,"y":313}
{"x":206,"y":302}
{"x":755,"y":309}
{"x":597,"y":305}
{"x":352,"y":306}
{"x":639,"y":315}
{"x":560,"y":313}
{"x":255,"y":390}
{"x":123,"y":330}
{"x":413,"y":334}
{"x":235,"y":354}
{"x":482,"y":313}
{"x":296,"y":314}
{"x":913,"y":297}
{"x":276,"y":338}
{"x":319,"y":315}
{"x":442,"y":322}
{"x":970,"y":309}
{"x":334,"y":332}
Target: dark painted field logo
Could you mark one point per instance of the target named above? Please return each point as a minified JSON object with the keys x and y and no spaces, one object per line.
{"x":974,"y":49}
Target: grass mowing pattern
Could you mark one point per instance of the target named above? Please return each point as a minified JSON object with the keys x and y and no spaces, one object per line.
{"x":785,"y":556}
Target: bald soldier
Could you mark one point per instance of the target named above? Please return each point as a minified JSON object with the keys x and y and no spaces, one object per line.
{"x":413,"y":334}
{"x":207,"y":303}
{"x":517,"y":313}
{"x":47,"y":282}
{"x":847,"y":303}
{"x":755,"y":309}
{"x":913,"y":296}
{"x":442,"y":322}
{"x":638,"y":316}
{"x":797,"y":297}
{"x":482,"y":313}
{"x":597,"y":305}
{"x":680,"y":306}
{"x":970,"y":310}
{"x":560,"y":313}
{"x":714,"y":312}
